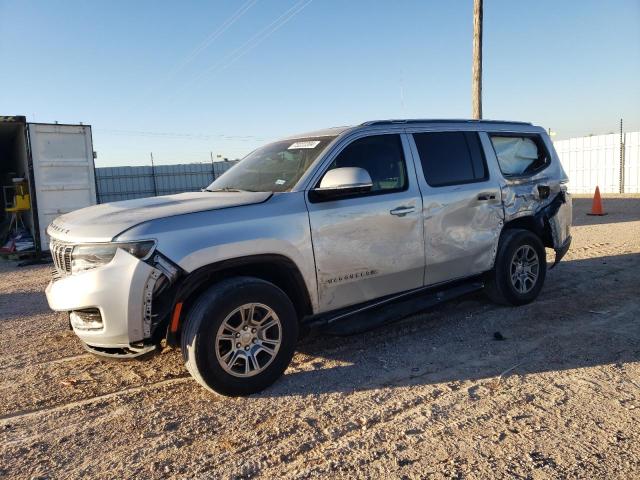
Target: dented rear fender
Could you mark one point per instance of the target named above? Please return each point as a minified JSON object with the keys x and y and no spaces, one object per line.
{"x":548,"y":205}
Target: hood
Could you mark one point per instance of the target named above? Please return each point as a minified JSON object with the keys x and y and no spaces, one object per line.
{"x":101,"y":223}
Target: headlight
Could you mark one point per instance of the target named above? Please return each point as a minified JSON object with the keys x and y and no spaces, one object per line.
{"x":88,"y":256}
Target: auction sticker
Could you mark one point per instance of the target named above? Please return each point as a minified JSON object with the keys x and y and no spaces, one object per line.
{"x":307,"y":144}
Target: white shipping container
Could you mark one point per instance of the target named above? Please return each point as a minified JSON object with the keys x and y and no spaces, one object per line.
{"x":57,"y":161}
{"x":63,"y":171}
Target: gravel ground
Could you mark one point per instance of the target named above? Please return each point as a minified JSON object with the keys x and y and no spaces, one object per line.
{"x":433,"y":396}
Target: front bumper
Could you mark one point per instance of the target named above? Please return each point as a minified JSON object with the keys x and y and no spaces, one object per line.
{"x":117,"y":290}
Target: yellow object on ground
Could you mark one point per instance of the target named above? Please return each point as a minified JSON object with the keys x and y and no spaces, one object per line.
{"x":20,"y":203}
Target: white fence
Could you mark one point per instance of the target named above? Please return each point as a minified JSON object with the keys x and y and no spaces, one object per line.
{"x":595,"y":160}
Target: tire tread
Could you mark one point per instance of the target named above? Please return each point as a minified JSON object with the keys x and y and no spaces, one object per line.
{"x":496,"y":281}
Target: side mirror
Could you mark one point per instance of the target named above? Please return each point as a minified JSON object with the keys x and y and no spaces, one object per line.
{"x":342,"y":182}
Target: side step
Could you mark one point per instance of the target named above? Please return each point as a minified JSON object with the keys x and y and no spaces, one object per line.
{"x":377,"y":315}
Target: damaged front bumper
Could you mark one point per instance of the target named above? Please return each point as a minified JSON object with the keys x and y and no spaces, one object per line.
{"x":110,"y":306}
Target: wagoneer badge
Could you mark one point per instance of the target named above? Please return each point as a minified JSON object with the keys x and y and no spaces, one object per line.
{"x":352,"y":276}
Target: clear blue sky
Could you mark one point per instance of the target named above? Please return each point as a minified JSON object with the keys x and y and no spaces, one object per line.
{"x":183,"y":78}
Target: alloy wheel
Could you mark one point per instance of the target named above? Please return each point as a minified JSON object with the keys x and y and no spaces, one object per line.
{"x":248,"y":340}
{"x":524,"y":269}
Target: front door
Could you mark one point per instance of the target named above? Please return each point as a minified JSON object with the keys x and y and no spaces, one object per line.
{"x":463,"y":214}
{"x":371,"y":245}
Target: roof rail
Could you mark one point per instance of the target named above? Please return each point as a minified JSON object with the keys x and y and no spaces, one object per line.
{"x":445,"y":120}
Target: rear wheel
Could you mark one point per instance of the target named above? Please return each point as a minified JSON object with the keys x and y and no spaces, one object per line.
{"x":240,"y":336}
{"x":520,"y":268}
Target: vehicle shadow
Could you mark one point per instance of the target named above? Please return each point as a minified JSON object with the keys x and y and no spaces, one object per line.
{"x":618,"y":210}
{"x":16,"y":305}
{"x":567,"y":327}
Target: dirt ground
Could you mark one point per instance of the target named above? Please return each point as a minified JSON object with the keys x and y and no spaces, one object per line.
{"x":433,"y":396}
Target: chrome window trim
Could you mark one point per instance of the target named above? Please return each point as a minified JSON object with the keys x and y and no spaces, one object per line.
{"x":317,"y":169}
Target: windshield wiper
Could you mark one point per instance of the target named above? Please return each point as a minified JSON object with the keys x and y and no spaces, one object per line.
{"x":228,"y":189}
{"x":225,"y":189}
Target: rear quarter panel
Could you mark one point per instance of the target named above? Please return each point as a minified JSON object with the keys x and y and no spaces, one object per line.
{"x":521,"y":197}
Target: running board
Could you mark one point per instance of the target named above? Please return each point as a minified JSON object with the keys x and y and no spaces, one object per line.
{"x":393,"y":309}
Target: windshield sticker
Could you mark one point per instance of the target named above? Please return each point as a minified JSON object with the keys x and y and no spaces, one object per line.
{"x":307,"y":144}
{"x":280,"y":182}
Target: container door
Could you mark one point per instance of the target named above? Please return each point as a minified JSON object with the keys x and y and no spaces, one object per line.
{"x":63,"y":171}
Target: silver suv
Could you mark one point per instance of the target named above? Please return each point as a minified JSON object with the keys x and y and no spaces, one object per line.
{"x":313,"y":229}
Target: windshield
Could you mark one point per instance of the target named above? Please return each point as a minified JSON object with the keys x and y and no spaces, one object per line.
{"x":276,"y":167}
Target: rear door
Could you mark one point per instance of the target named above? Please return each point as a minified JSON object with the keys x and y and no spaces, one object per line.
{"x":63,"y":171}
{"x":369,"y":245}
{"x":462,"y":208}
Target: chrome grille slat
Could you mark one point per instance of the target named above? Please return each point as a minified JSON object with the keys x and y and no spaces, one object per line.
{"x":61,"y":255}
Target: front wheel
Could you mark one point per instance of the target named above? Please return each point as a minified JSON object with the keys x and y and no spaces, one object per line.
{"x":240,"y":336}
{"x":520,"y":269}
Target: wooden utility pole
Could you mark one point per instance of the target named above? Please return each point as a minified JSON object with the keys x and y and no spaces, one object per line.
{"x":476,"y":71}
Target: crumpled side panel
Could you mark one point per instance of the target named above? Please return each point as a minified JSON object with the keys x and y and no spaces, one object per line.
{"x":560,"y":223}
{"x":522,"y":199}
{"x":548,"y":203}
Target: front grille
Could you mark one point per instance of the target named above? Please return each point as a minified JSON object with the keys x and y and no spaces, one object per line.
{"x":61,"y":254}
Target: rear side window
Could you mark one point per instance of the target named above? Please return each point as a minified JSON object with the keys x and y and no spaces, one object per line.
{"x":519,"y":155}
{"x":451,"y":158}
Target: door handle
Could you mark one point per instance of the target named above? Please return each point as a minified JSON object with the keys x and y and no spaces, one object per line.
{"x":486,"y":196}
{"x":402,"y":211}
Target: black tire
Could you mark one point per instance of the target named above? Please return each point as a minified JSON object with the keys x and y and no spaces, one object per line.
{"x":498,"y":284}
{"x":205,"y":319}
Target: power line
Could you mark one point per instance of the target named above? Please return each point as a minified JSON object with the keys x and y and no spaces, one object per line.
{"x":212,"y":37}
{"x":249,"y":45}
{"x":268,"y":34}
{"x":203,"y":45}
{"x":176,"y":135}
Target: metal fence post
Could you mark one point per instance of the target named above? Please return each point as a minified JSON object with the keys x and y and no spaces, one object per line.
{"x":153,"y":177}
{"x":621,"y":159}
{"x":213,"y":168}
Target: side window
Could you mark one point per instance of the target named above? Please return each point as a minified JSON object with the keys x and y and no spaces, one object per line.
{"x":451,"y":158}
{"x":519,"y":155}
{"x":381,"y":156}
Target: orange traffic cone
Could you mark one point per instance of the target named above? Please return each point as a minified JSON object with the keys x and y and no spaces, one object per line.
{"x":596,"y":206}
